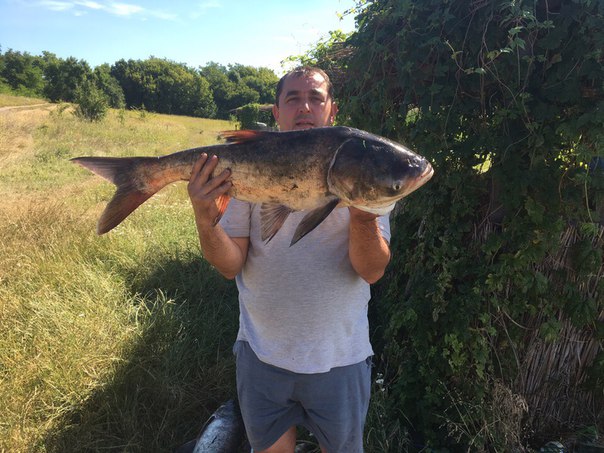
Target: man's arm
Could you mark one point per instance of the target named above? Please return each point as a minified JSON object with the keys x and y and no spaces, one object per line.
{"x":368,"y":251}
{"x":226,"y":254}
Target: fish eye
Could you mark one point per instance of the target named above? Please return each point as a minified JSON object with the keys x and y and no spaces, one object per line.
{"x":397,"y":186}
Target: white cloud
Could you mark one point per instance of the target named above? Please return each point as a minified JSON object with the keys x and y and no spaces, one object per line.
{"x":203,"y":7}
{"x":163,"y":15}
{"x":80,"y":8}
{"x":89,"y":4}
{"x":56,"y":5}
{"x":123,"y":9}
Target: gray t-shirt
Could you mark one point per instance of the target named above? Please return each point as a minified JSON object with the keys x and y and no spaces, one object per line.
{"x":302,"y":308}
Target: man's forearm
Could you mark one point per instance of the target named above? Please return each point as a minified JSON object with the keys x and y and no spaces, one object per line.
{"x":368,"y":251}
{"x":207,"y":194}
{"x":220,"y":250}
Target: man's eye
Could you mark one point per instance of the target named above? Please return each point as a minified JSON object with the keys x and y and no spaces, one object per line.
{"x":292,"y":99}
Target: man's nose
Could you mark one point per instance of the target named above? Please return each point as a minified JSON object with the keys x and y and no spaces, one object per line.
{"x":304,"y":105}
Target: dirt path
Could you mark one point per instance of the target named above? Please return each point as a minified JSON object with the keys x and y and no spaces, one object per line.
{"x":23,"y":107}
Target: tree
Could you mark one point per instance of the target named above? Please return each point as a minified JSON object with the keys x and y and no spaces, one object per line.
{"x":264,"y":82}
{"x":63,"y":76}
{"x":221,"y":86}
{"x":238,"y":85}
{"x":109,"y":86}
{"x":164,"y":86}
{"x":22,"y":72}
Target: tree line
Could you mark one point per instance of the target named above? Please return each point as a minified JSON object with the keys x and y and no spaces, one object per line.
{"x":154,"y":84}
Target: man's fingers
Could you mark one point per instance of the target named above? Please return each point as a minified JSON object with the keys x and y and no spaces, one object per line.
{"x":205,"y":173}
{"x":202,"y":169}
{"x":201,"y":182}
{"x":198,"y":164}
{"x":220,"y":190}
{"x":213,"y":183}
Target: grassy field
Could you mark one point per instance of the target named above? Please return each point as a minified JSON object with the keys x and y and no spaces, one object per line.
{"x":113,"y":343}
{"x":121,"y":342}
{"x":11,"y":100}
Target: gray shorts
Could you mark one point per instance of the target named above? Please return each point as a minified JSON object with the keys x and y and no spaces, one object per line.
{"x":333,"y":405}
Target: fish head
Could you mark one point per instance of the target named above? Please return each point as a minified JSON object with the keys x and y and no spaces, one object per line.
{"x":372,"y":173}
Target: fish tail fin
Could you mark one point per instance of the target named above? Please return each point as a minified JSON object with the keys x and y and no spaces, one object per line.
{"x":123,"y":172}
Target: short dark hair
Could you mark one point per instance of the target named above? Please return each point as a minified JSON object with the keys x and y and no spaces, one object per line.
{"x":303,"y":71}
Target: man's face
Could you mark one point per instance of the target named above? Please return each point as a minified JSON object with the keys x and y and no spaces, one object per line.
{"x":304,"y":103}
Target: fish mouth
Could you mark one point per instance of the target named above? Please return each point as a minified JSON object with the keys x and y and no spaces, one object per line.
{"x":420,"y":180}
{"x":425,"y":176}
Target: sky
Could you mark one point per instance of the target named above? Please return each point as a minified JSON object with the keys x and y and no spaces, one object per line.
{"x":194,"y":32}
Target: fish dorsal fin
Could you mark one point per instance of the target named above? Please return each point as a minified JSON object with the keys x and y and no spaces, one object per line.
{"x":272,"y":217}
{"x":313,"y":219}
{"x":221,"y":202}
{"x":242,"y":136}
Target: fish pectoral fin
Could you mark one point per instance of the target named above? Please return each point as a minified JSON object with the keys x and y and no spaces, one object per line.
{"x":312,"y":220}
{"x":272,"y":217}
{"x":221,"y":202}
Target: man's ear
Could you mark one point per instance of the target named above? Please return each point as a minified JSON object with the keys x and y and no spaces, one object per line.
{"x":334,"y":112}
{"x":276,"y":113}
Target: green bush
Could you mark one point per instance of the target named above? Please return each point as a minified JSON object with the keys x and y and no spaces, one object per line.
{"x":249,"y":115}
{"x":92,"y":103}
{"x":506,"y":100}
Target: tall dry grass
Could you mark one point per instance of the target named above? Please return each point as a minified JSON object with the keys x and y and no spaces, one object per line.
{"x":9,"y":100}
{"x":121,"y":342}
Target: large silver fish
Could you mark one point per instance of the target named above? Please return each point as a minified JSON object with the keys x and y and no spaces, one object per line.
{"x":312,"y":170}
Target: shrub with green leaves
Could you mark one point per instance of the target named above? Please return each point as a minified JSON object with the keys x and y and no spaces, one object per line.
{"x":495,"y":279}
{"x":92,"y":103}
{"x":249,"y":115}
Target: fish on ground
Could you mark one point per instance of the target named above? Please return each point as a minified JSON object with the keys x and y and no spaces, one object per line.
{"x":223,"y":432}
{"x":312,"y":170}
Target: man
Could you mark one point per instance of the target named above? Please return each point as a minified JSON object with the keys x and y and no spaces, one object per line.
{"x":303,"y":352}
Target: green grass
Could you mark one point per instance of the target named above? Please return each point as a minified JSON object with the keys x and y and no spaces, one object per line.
{"x":7,"y":100}
{"x":113,"y":343}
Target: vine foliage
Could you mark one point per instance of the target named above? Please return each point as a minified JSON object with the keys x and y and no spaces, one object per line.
{"x":506,"y":99}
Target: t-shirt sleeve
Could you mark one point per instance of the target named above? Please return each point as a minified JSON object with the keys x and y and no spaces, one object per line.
{"x":236,"y":219}
{"x":384,"y":224}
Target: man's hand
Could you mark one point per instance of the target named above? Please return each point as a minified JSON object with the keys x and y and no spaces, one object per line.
{"x":209,"y":199}
{"x":205,"y":190}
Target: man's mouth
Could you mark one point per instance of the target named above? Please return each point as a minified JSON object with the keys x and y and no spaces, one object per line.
{"x":304,"y":124}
